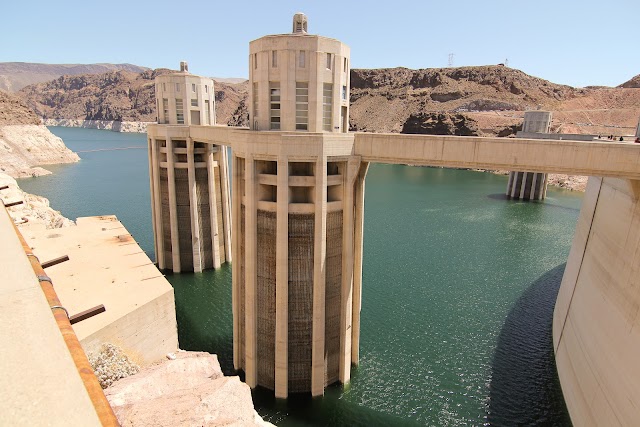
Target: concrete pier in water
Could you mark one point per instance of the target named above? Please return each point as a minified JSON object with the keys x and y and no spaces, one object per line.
{"x":530,"y":185}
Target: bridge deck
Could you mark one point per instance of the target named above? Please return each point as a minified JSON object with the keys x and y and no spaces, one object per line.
{"x":590,"y":158}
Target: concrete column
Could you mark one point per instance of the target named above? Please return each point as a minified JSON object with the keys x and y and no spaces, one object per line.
{"x":150,"y":143}
{"x":523,"y":185}
{"x":534,"y":184}
{"x":156,"y":202}
{"x":282,"y":281}
{"x":193,"y":209}
{"x":350,"y":175}
{"x":357,"y":262}
{"x":510,"y":183}
{"x":213,"y":206}
{"x":235,"y":266}
{"x":319,"y":274}
{"x":514,"y":184}
{"x":250,"y":274}
{"x":173,"y":208}
{"x":544,"y":187}
{"x":225,"y":225}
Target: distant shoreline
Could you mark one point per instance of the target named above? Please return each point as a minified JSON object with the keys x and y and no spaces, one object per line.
{"x":112,"y":125}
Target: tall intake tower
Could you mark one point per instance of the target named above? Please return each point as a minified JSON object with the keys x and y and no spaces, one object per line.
{"x":189,"y":180}
{"x":298,"y":196}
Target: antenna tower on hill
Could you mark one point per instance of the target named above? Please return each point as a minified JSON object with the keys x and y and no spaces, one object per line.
{"x":506,"y":62}
{"x":450,"y":63}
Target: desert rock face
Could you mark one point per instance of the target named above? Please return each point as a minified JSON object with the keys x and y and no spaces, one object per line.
{"x":25,"y":143}
{"x":633,"y":83}
{"x":382,"y":100}
{"x":114,"y":96}
{"x":440,"y":124}
{"x":24,"y":147}
{"x":188,"y":390}
{"x":16,"y":75}
{"x":121,"y":97}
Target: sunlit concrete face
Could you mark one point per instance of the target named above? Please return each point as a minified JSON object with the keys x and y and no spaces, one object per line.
{"x":299,"y":82}
{"x":188,"y":179}
{"x":296,"y":295}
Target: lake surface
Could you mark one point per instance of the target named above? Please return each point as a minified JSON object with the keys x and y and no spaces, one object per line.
{"x":458,"y":290}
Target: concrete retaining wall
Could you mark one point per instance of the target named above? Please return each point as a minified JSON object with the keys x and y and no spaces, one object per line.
{"x":595,"y":337}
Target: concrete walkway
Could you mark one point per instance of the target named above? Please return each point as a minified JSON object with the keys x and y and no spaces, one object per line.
{"x":39,"y":383}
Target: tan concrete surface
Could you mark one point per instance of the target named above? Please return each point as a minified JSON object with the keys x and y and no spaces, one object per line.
{"x":39,"y":383}
{"x":106,"y":266}
{"x":596,"y":324}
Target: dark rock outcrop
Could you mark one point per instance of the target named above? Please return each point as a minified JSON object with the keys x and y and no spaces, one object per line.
{"x":440,"y":124}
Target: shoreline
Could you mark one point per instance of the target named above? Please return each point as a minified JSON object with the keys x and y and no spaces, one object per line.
{"x":112,"y":125}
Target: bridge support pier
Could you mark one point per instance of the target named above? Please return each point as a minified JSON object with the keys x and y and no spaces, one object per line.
{"x":530,"y":185}
{"x":527,"y":185}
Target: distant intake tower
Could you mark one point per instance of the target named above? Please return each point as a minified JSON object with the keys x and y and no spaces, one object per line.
{"x":530,"y":185}
{"x":189,"y":180}
{"x":298,"y":197}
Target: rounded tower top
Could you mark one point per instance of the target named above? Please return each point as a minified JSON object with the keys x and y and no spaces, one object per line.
{"x":300,"y":23}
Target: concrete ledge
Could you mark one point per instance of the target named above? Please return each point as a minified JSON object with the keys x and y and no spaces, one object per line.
{"x":108,"y":267}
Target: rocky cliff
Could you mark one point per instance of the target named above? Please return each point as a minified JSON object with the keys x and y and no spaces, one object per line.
{"x":188,"y":389}
{"x":16,"y":75}
{"x":26,"y":144}
{"x":481,"y":100}
{"x":121,"y":97}
{"x":634,"y":82}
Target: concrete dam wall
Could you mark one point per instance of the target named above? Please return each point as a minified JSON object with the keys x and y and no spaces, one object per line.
{"x":595,"y":337}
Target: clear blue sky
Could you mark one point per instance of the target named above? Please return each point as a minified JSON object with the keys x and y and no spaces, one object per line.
{"x":590,"y":42}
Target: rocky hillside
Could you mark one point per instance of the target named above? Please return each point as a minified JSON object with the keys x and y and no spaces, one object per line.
{"x":384,"y":100}
{"x":633,"y":83}
{"x":117,"y":96}
{"x":13,"y":111}
{"x":482,"y":100}
{"x":25,"y":143}
{"x":16,"y":75}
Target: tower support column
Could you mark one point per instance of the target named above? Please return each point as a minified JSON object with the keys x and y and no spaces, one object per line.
{"x":193,"y":209}
{"x":213,"y":206}
{"x":235,"y":266}
{"x":251,"y":250}
{"x":357,"y":261}
{"x":282,"y":280}
{"x":173,"y":207}
{"x":156,"y":203}
{"x":225,"y":226}
{"x":319,"y":275}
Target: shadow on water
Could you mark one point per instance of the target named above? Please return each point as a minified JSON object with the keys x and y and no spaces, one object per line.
{"x":330,"y":410}
{"x":524,"y":355}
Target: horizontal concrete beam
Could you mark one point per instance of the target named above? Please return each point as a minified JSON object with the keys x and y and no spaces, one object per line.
{"x":611,"y":159}
{"x":589,"y":158}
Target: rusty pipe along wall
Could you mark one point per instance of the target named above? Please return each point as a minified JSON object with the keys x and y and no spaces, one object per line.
{"x":94,"y":390}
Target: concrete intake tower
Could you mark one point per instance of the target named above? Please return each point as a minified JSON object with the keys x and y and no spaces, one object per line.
{"x":298,"y":199}
{"x":189,"y":180}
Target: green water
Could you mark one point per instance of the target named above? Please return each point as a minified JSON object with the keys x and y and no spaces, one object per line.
{"x":458,"y":291}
